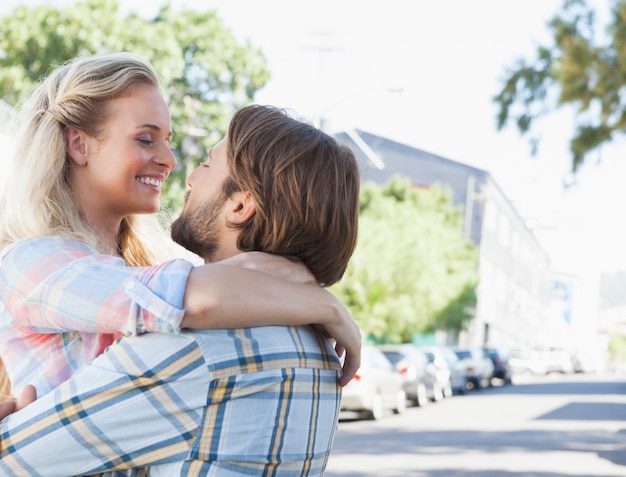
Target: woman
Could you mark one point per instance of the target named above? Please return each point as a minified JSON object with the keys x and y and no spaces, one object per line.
{"x":82,"y":249}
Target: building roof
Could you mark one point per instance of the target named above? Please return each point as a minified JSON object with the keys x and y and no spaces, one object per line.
{"x":382,"y":158}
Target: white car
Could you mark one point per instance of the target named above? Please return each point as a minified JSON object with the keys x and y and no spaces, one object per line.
{"x":446,"y":365}
{"x":477,"y":365}
{"x":376,"y":387}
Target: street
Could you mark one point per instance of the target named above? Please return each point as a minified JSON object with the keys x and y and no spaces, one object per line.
{"x":548,"y":426}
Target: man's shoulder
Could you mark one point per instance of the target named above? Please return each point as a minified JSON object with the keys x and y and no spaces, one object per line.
{"x":230,"y":352}
{"x":152,"y":351}
{"x":246,"y":350}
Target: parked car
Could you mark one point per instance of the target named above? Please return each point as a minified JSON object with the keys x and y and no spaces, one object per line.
{"x":525,"y":363}
{"x":501,"y":366}
{"x":541,"y":362}
{"x":556,"y":361}
{"x":420,"y":381}
{"x":375,"y":388}
{"x":445,"y":365}
{"x":477,"y":366}
{"x":583,"y":363}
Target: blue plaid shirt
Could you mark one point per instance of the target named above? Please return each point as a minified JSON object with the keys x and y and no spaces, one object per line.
{"x":254,"y":401}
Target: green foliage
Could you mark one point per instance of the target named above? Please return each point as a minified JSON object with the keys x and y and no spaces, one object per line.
{"x":617,"y":348}
{"x":580,"y":73}
{"x":412,"y":270}
{"x":206,"y":74}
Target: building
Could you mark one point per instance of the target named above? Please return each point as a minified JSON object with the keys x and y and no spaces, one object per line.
{"x":515,"y":297}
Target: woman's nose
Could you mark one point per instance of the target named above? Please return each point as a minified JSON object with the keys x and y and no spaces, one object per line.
{"x":168,"y":159}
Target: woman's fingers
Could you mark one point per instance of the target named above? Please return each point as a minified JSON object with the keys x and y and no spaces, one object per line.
{"x":28,"y":396}
{"x":6,"y":408}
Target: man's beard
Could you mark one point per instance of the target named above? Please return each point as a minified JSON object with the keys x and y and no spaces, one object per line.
{"x":197,"y":229}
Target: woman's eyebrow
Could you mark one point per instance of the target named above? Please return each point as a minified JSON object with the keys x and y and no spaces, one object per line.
{"x":154,"y":127}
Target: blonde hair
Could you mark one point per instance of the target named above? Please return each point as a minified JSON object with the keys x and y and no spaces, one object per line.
{"x":5,"y":385}
{"x":38,"y":199}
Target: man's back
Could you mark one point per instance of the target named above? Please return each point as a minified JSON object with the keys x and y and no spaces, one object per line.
{"x":255,"y":401}
{"x":272,"y":406}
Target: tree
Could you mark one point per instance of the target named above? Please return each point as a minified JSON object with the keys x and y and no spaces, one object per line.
{"x":576,"y":71}
{"x":206,"y":73}
{"x":412,"y":270}
{"x":617,"y":351}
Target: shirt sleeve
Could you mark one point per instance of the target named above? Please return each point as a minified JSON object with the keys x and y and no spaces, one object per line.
{"x":131,"y":407}
{"x":56,"y":284}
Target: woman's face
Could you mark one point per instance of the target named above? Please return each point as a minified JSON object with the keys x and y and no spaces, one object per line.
{"x":125,"y":167}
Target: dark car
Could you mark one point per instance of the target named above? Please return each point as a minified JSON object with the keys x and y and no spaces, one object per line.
{"x":420,"y":382}
{"x":501,"y":366}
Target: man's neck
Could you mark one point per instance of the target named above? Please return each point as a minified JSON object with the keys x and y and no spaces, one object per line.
{"x":276,"y":265}
{"x":221,"y":255}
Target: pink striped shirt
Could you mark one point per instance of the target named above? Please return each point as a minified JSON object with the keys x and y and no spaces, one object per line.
{"x":62,"y":303}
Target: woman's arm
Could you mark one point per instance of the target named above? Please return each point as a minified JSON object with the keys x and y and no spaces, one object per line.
{"x":223,"y":296}
{"x":56,"y":284}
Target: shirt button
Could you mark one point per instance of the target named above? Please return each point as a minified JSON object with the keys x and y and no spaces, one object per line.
{"x":130,"y":284}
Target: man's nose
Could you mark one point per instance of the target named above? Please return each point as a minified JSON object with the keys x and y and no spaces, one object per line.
{"x":191,"y":179}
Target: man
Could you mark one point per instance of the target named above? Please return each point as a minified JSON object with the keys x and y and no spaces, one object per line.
{"x":254,"y":401}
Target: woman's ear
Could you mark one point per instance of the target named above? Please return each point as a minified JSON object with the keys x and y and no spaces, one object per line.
{"x":241,"y":207}
{"x":76,"y":145}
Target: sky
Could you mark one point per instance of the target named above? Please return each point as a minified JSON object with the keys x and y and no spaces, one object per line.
{"x":424,"y":73}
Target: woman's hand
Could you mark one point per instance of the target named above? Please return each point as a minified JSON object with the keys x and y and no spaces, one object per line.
{"x":347,"y":336}
{"x":29,"y":395}
{"x":276,"y":265}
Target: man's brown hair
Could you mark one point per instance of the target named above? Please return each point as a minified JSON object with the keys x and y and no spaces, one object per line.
{"x":305,"y":186}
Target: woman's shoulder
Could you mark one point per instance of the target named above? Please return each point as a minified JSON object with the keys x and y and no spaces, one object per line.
{"x":49,"y":241}
{"x":35,"y":246}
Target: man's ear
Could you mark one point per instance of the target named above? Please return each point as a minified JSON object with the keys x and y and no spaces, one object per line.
{"x":240,"y":207}
{"x":76,"y":145}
